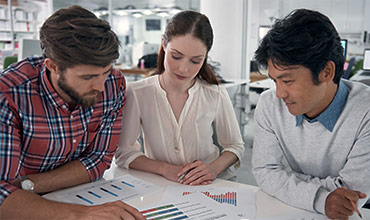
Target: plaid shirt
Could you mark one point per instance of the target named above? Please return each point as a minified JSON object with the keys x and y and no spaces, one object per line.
{"x":39,"y":133}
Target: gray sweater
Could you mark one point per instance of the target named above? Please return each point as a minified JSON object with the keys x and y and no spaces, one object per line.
{"x":301,"y":165}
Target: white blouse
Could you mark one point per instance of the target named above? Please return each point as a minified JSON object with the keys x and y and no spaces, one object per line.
{"x":148,"y":110}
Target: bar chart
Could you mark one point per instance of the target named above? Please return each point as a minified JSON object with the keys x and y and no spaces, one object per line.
{"x":192,"y":206}
{"x":123,"y":188}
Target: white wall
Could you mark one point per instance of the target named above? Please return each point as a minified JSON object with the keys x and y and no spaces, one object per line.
{"x":142,"y":35}
{"x":226,"y":18}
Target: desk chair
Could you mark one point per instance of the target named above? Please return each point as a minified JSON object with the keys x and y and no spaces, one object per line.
{"x":9,"y":60}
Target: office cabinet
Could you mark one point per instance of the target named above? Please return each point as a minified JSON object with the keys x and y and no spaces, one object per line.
{"x":21,"y":22}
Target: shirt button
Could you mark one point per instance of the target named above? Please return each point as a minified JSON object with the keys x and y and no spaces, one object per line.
{"x":74,"y":141}
{"x":71,"y":116}
{"x":64,"y":106}
{"x":177,"y":150}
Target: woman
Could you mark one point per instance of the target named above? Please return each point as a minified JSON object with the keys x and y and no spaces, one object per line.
{"x":176,"y":108}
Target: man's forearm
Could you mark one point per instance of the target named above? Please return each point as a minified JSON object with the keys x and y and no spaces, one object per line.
{"x":70,"y":174}
{"x":26,"y":205}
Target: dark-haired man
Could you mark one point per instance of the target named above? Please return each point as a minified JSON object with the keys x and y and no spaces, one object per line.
{"x":60,"y":118}
{"x":315,"y":121}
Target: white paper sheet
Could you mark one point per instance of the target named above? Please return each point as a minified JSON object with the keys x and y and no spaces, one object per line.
{"x":122,"y":188}
{"x":312,"y":216}
{"x":241,"y":201}
{"x":193,"y":206}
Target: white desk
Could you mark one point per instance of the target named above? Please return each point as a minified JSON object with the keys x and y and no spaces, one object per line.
{"x":235,"y":82}
{"x":267,"y":206}
{"x":262,"y":84}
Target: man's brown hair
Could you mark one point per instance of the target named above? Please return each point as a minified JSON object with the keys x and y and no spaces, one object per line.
{"x":74,"y":36}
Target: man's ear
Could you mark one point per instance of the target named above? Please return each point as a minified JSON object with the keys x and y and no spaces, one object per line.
{"x":327,"y":74}
{"x":51,"y":65}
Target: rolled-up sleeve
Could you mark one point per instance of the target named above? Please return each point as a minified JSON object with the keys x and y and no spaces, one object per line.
{"x":128,"y":146}
{"x":10,"y":155}
{"x":227,"y":127}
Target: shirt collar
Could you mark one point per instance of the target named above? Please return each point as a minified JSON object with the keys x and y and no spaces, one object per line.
{"x":329,"y":117}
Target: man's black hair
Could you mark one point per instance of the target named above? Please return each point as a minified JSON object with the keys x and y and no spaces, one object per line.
{"x":304,"y":37}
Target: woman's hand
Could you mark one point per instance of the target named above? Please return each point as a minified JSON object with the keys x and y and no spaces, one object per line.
{"x":171,"y":171}
{"x":197,"y":173}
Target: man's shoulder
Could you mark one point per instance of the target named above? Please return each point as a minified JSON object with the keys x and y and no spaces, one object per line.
{"x":357,"y":87}
{"x":117,"y":73}
{"x":117,"y":76}
{"x":269,"y":106}
{"x":359,"y":93}
{"x":268,"y":98}
{"x":115,"y":82}
{"x":21,"y":72}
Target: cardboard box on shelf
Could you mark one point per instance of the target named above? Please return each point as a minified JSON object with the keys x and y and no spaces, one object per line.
{"x":5,"y":2}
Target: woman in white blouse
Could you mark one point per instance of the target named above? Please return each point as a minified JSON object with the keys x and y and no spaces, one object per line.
{"x":176,"y":108}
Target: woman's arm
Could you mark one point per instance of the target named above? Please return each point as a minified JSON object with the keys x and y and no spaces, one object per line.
{"x":165,"y":169}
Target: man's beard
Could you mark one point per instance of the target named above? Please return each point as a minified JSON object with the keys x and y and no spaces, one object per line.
{"x":73,"y":94}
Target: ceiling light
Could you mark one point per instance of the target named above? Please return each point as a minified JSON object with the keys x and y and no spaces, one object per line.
{"x":162,"y":14}
{"x":137,"y":15}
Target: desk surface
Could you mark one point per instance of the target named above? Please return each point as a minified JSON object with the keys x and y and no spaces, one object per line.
{"x":134,"y":70}
{"x":234,"y":82}
{"x":262,"y":84}
{"x":267,"y":206}
{"x":256,"y":76}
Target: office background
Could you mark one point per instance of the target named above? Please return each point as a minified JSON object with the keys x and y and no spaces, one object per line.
{"x":238,"y":26}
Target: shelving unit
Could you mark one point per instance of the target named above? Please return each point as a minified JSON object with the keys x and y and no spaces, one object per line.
{"x":16,"y":22}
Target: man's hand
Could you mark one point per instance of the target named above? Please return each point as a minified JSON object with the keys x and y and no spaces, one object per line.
{"x":26,"y":205}
{"x":111,"y":210}
{"x":338,"y":204}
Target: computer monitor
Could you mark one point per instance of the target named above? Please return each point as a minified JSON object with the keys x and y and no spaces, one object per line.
{"x":29,"y":48}
{"x":344,"y":43}
{"x":366,"y":64}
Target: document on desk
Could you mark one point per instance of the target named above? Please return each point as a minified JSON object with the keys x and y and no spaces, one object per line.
{"x":306,"y":215}
{"x":193,"y":206}
{"x":122,"y":188}
{"x":241,"y":201}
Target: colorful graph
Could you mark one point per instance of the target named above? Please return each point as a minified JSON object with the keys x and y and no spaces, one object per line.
{"x":164,"y":212}
{"x":194,"y":206}
{"x":228,"y":198}
{"x":123,"y":188}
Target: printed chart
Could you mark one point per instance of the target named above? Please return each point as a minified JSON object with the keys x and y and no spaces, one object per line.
{"x":228,"y":198}
{"x":193,"y":206}
{"x":122,"y":188}
{"x":241,"y":201}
